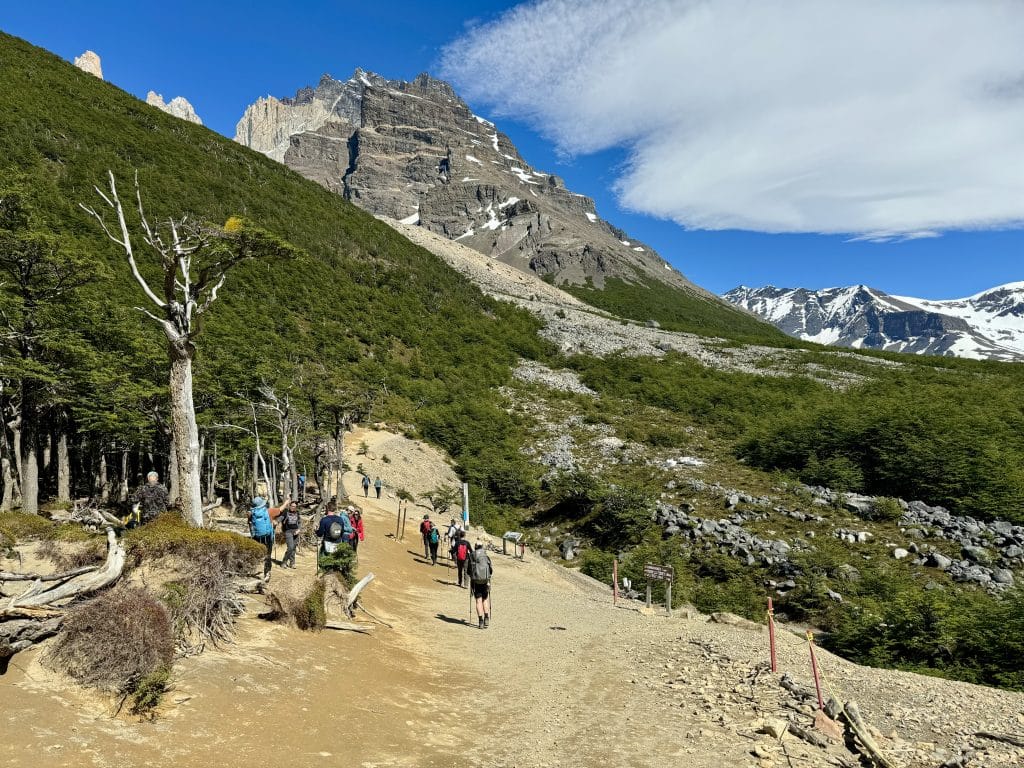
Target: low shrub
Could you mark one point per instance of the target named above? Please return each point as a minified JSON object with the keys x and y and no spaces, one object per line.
{"x":17,"y":527}
{"x":169,"y":534}
{"x":116,"y":642}
{"x":310,"y":612}
{"x":203,"y":605}
{"x":150,"y":691}
{"x":342,"y":561}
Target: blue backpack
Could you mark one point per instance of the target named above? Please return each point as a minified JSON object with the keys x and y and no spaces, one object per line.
{"x":261,"y":525}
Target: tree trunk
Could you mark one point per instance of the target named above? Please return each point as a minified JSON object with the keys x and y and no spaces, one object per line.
{"x":122,"y":494}
{"x":29,"y":465}
{"x":211,"y":479}
{"x":172,"y":475}
{"x":340,"y":454}
{"x":102,"y":480}
{"x":186,"y":433}
{"x":63,"y":469}
{"x":7,"y":471}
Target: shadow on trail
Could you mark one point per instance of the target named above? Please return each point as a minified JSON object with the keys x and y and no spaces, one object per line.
{"x":453,"y":620}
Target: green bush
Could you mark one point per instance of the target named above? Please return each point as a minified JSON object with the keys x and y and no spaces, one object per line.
{"x":310,"y":613}
{"x":342,"y":561}
{"x":170,"y":535}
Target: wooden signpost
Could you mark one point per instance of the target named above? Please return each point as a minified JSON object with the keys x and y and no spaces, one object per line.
{"x":664,"y":573}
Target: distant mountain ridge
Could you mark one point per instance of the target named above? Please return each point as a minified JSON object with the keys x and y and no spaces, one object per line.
{"x":415,"y":152}
{"x":986,"y":326}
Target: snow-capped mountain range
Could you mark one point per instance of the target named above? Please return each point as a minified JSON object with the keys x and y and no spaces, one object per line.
{"x":986,"y":326}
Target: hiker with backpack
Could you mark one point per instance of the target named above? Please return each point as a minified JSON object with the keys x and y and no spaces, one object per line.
{"x":334,"y":530}
{"x":377,"y":485}
{"x":261,"y":529}
{"x":433,"y":540}
{"x":460,"y":554}
{"x":480,"y":572}
{"x":366,"y":485}
{"x":291,"y":522}
{"x":425,"y":528}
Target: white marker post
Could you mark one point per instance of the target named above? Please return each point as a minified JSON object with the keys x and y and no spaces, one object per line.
{"x":465,"y":505}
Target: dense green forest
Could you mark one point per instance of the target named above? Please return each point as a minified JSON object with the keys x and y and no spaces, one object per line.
{"x":352,"y":322}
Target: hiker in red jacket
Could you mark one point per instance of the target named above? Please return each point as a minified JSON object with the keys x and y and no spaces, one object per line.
{"x":460,"y":554}
{"x":358,"y":532}
{"x":425,"y":528}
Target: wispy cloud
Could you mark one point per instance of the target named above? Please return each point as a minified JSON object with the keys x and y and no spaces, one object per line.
{"x":864,"y":117}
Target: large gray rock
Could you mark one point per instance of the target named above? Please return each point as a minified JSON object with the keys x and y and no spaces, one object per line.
{"x":938,"y":560}
{"x":977,"y":555}
{"x":414,"y":151}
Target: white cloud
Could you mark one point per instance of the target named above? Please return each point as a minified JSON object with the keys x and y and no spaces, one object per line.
{"x":883,"y":118}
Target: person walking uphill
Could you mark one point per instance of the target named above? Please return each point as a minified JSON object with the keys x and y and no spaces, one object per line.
{"x":460,"y":554}
{"x":358,"y":531}
{"x":334,"y":529}
{"x":425,"y":528}
{"x":366,"y":485}
{"x":377,"y":485}
{"x":433,"y":540}
{"x":480,"y":572}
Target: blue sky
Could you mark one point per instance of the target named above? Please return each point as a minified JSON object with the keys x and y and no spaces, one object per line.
{"x":223,"y":55}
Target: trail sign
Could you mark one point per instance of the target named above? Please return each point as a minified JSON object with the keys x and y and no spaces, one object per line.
{"x":654,"y":572}
{"x":664,"y":573}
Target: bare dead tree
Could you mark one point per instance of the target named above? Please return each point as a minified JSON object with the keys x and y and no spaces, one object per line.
{"x":194,"y":261}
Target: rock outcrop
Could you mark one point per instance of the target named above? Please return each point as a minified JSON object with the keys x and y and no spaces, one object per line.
{"x":90,"y":62}
{"x":415,"y":152}
{"x":179,"y":106}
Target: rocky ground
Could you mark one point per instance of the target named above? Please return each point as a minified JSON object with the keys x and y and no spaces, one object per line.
{"x":578,"y":328}
{"x":562,"y":678}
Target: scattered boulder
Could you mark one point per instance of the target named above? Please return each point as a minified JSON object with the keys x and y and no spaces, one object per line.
{"x":938,"y":560}
{"x":899,"y":553}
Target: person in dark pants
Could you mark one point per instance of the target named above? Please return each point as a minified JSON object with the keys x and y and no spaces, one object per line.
{"x":151,"y":498}
{"x":261,"y":528}
{"x":480,"y":572}
{"x":377,"y":485}
{"x":434,"y":539}
{"x":460,"y":554}
{"x":366,"y":485}
{"x":290,"y":524}
{"x":425,"y":527}
{"x":301,"y":480}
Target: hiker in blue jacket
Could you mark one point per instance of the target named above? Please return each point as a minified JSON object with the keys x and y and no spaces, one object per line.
{"x":261,"y":528}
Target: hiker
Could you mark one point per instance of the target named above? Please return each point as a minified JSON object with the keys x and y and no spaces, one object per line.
{"x":377,"y":485}
{"x":261,"y":528}
{"x":334,"y":529}
{"x":366,"y":485}
{"x":433,"y":539}
{"x":460,"y":554}
{"x":301,"y":483}
{"x":480,"y":571}
{"x":425,"y":527}
{"x":451,"y":536}
{"x":151,"y":499}
{"x":358,"y":532}
{"x":291,"y":522}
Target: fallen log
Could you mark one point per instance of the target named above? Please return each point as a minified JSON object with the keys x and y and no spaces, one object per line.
{"x":9,"y":576}
{"x":16,"y":636}
{"x":808,"y":735}
{"x":39,"y":594}
{"x":354,"y":594}
{"x":850,"y":715}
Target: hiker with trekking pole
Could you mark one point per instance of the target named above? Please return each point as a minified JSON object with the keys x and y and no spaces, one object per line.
{"x":480,"y":572}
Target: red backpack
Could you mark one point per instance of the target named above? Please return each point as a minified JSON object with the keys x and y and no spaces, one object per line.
{"x":462,"y":550}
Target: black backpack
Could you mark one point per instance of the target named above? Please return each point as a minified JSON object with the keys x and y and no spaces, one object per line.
{"x":335,"y":531}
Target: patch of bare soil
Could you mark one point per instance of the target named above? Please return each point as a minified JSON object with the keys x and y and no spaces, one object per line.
{"x":561,"y":678}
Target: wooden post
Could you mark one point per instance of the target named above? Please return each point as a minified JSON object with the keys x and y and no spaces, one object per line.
{"x":771,"y":634}
{"x":814,"y":669}
{"x":648,"y":594}
{"x":398,"y":519}
{"x":668,"y":597}
{"x":615,"y":581}
{"x":405,"y":513}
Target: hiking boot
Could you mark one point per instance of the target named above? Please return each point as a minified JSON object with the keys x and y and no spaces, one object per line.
{"x":487,"y":620}
{"x":481,"y":624}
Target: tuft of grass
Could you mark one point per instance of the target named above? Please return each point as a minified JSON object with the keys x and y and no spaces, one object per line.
{"x":169,"y":535}
{"x":310,"y":612}
{"x":150,"y":691}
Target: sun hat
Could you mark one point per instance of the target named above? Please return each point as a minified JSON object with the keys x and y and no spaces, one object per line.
{"x":258,"y":502}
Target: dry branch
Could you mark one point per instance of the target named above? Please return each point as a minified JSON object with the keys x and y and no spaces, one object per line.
{"x":1006,"y":738}
{"x":8,"y":576}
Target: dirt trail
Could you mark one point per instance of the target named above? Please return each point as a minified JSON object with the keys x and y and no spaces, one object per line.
{"x":561,"y":678}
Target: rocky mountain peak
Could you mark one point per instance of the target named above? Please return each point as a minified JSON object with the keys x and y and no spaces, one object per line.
{"x":179,"y":106}
{"x":89,"y":62}
{"x":414,"y":151}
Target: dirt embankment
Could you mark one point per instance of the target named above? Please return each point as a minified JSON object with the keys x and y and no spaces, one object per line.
{"x":561,"y":678}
